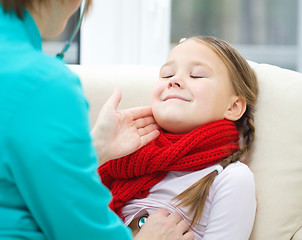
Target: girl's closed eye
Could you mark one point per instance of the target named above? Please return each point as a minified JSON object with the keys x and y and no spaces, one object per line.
{"x":198,"y":74}
{"x":166,"y":73}
{"x":167,"y":76}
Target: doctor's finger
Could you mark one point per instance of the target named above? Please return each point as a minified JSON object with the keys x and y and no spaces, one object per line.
{"x":143,"y":122}
{"x":140,"y":112}
{"x":146,"y":130}
{"x":188,"y":236}
{"x":145,"y":139}
{"x":114,"y":100}
{"x":183,"y":226}
{"x":175,"y":217}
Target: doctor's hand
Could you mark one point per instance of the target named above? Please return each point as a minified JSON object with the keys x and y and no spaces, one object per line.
{"x":161,"y":225}
{"x":117,"y":133}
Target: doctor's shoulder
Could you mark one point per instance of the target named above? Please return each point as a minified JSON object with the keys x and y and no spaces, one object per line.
{"x":50,"y":69}
{"x":50,"y":75}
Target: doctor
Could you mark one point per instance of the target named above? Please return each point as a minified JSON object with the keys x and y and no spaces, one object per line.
{"x":49,"y":188}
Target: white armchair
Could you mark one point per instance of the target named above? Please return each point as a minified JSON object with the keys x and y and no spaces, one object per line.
{"x":276,"y":156}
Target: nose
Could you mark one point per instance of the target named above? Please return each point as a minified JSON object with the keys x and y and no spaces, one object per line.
{"x":174,"y":82}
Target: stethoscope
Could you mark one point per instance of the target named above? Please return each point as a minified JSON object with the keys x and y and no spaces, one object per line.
{"x":60,"y":55}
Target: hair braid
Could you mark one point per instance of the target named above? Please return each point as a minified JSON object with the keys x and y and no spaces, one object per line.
{"x":247,"y":128}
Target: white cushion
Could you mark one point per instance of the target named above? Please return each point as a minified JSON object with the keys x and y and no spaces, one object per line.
{"x":276,"y":158}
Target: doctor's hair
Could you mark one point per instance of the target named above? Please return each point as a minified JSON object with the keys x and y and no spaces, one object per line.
{"x":18,"y":6}
{"x":245,"y":84}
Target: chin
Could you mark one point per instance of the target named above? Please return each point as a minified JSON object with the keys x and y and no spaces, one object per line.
{"x":177,"y":129}
{"x":174,"y":126}
{"x":172,"y":120}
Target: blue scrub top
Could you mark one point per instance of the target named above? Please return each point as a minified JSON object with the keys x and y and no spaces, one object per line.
{"x":49,"y":187}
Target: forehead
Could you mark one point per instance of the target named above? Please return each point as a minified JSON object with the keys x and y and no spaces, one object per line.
{"x":194,"y":51}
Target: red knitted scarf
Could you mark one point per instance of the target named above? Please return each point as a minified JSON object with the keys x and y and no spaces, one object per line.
{"x":132,"y":176}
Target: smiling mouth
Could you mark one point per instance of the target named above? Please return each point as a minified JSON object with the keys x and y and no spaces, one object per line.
{"x":174,"y":97}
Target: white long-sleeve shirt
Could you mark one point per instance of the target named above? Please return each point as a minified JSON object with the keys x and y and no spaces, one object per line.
{"x":229,"y":209}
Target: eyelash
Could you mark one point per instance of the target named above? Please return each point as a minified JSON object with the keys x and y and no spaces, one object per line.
{"x":168,"y":76}
{"x":194,"y":77}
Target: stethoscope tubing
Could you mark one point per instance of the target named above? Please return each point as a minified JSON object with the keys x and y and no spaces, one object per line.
{"x":60,"y":55}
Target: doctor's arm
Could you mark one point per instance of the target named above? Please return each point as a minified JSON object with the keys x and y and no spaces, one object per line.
{"x":55,"y":165}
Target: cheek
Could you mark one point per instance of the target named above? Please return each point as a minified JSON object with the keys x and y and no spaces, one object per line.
{"x":207,"y":90}
{"x":157,"y":91}
{"x":201,"y":93}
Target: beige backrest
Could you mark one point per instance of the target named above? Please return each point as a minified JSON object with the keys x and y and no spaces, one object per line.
{"x":135,"y":82}
{"x":276,"y":157}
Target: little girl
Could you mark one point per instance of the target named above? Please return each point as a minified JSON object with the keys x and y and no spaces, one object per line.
{"x":204,"y":98}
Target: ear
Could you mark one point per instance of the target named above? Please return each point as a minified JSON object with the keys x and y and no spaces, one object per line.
{"x":236,"y":108}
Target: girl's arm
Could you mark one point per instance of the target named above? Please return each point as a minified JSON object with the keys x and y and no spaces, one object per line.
{"x":233,"y":205}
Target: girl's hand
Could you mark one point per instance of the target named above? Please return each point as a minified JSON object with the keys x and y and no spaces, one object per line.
{"x":161,"y":225}
{"x":120,"y":132}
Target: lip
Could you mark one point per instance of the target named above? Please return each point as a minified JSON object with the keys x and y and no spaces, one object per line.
{"x":176,"y":97}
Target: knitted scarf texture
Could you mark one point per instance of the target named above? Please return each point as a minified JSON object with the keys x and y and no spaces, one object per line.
{"x":132,"y":176}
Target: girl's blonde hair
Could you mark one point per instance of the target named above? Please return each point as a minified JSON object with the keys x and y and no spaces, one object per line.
{"x":244,"y":82}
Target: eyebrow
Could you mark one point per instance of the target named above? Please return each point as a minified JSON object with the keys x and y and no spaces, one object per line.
{"x":203,"y":64}
{"x":167,"y":64}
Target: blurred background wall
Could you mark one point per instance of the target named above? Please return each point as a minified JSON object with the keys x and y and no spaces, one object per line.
{"x":144,"y":31}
